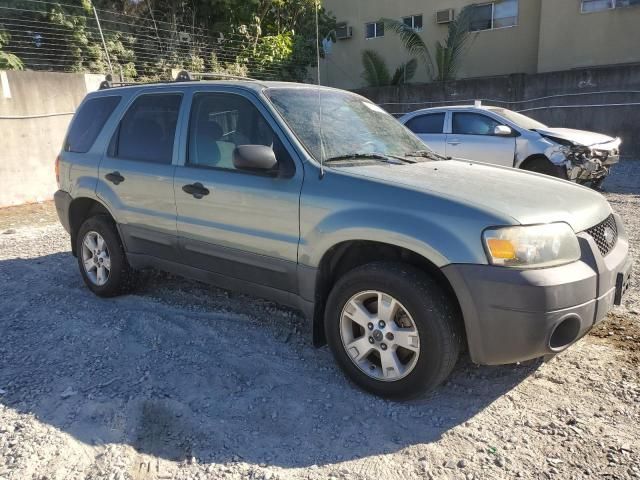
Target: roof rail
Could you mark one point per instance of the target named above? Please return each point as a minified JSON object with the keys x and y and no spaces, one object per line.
{"x":182,"y":76}
{"x":185,"y":76}
{"x":109,"y":83}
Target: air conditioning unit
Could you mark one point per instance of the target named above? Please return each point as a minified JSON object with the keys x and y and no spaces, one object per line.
{"x":444,"y":16}
{"x":343,"y":31}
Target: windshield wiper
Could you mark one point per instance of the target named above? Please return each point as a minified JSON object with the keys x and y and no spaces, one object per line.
{"x":367,"y":156}
{"x":427,"y":154}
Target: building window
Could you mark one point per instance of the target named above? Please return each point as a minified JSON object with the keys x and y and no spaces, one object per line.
{"x":374,"y":29}
{"x":414,"y":22}
{"x":589,"y":6}
{"x":495,"y":15}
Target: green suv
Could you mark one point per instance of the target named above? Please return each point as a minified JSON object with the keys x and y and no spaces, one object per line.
{"x":318,"y":199}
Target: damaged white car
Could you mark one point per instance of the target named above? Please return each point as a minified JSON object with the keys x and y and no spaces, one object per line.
{"x":504,"y":137}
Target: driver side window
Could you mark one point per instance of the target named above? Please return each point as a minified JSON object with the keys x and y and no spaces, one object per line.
{"x":465,"y":123}
{"x":219,"y":123}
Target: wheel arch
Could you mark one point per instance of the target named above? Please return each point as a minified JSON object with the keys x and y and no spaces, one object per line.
{"x":347,"y":255}
{"x":79,"y":210}
{"x":527,"y":162}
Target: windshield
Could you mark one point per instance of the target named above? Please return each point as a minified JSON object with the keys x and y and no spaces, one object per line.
{"x":350,"y":124}
{"x":521,"y":120}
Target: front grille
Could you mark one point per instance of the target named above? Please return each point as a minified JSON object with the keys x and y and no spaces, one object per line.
{"x":605,"y":235}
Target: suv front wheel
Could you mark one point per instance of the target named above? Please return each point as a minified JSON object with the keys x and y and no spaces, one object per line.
{"x":101,"y":258}
{"x":392,"y":329}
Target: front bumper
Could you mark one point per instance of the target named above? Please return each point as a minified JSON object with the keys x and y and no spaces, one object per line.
{"x":514,"y":315}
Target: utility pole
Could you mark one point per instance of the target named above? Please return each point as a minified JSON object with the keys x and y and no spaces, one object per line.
{"x":104,"y":44}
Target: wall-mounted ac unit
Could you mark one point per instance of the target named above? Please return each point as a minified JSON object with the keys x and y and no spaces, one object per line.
{"x":343,"y":31}
{"x":444,"y":16}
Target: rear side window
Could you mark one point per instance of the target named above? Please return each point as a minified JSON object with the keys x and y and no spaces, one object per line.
{"x":147,"y":131}
{"x":88,"y":122}
{"x":432,"y":123}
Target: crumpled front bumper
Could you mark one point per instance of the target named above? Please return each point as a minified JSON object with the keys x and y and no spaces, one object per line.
{"x":514,"y":315}
{"x":592,"y":163}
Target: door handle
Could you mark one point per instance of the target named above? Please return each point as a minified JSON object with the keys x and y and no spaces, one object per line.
{"x":454,"y":142}
{"x":196,"y":189}
{"x":114,"y":177}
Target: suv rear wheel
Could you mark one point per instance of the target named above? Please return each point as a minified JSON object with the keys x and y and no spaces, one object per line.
{"x":101,"y":258}
{"x":392,"y":329}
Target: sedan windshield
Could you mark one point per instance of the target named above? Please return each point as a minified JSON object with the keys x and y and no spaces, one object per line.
{"x":520,"y":120}
{"x":352,"y":126}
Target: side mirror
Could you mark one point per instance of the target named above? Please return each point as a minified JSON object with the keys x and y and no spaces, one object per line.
{"x":502,"y":131}
{"x":254,"y":158}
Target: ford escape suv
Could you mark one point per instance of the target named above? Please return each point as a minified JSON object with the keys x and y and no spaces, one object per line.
{"x":318,"y":199}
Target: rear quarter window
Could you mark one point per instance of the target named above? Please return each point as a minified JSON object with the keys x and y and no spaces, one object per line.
{"x":88,"y":122}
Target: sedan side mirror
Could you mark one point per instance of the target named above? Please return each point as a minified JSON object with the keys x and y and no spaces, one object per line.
{"x":254,"y":158}
{"x":502,"y":131}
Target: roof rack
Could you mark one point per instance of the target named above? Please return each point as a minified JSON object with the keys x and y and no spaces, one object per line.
{"x":185,"y":76}
{"x":109,"y":83}
{"x":182,"y":76}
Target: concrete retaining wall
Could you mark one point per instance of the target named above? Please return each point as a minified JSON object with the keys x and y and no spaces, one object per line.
{"x":35,"y":110}
{"x":571,"y":105}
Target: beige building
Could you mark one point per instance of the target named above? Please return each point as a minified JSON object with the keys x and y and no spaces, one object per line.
{"x":510,"y":36}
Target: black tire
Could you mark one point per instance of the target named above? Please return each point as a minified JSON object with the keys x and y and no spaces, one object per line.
{"x":542,"y":165}
{"x":122,"y":278}
{"x":436,"y":318}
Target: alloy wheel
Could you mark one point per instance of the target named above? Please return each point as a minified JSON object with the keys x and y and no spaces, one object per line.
{"x":96,"y":258}
{"x":379,"y":335}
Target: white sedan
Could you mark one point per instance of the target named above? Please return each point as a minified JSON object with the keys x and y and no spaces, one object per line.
{"x":504,"y":137}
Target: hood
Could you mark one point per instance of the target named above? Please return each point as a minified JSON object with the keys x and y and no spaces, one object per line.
{"x":578,"y":137}
{"x":528,"y":198}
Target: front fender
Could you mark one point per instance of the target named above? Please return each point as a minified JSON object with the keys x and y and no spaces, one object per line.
{"x":428,"y":237}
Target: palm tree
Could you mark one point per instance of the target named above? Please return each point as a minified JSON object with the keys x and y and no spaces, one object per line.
{"x":448,"y":55}
{"x":412,"y":42}
{"x":376,"y":73}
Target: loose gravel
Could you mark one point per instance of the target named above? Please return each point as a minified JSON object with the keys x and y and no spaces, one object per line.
{"x":184,"y":381}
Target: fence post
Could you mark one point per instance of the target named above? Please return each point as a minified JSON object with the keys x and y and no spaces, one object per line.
{"x":104,"y":44}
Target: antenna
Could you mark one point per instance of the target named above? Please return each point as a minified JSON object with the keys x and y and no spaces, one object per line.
{"x":322,"y":154}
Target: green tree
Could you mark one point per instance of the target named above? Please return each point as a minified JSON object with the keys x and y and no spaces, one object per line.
{"x":8,"y":61}
{"x":448,"y":55}
{"x":376,"y":73}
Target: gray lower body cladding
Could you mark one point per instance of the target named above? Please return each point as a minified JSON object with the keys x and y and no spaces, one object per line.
{"x":63,"y":202}
{"x":515,"y":315}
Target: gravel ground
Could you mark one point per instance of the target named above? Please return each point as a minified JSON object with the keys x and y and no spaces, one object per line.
{"x":183,"y":381}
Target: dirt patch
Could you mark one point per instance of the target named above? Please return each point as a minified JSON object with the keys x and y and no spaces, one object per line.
{"x":623,"y":332}
{"x":27,"y":215}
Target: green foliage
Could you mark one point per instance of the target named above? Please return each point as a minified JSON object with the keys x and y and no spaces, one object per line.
{"x":405,"y":72}
{"x":265,"y":38}
{"x":412,"y":42}
{"x":8,"y":61}
{"x":376,"y":72}
{"x":449,"y":54}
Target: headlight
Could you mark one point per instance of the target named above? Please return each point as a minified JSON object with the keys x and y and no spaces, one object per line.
{"x":531,"y":246}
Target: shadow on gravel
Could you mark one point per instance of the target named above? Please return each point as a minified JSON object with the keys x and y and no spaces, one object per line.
{"x":182,"y":370}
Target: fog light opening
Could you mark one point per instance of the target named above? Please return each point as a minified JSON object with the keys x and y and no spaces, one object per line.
{"x":565,"y":333}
